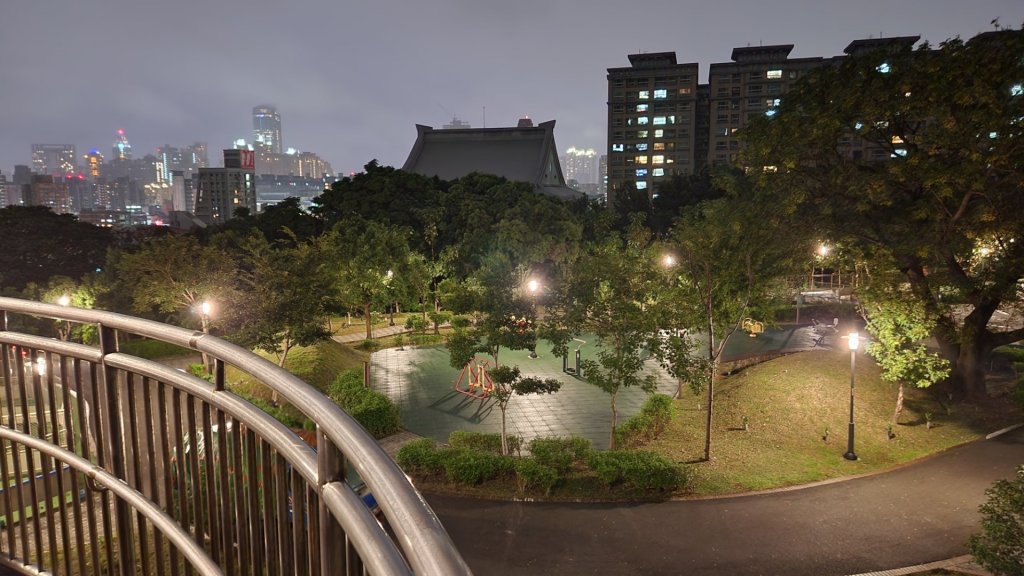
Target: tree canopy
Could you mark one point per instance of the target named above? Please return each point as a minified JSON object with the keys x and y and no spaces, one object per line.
{"x":914,"y":159}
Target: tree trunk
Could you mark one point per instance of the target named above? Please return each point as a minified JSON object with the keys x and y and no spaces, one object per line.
{"x":713,"y":367}
{"x":899,"y":406}
{"x":615,"y":417}
{"x":968,"y":376}
{"x":369,"y":321}
{"x":504,"y":438}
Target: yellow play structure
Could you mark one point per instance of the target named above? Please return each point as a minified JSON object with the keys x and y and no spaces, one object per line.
{"x":752,"y":327}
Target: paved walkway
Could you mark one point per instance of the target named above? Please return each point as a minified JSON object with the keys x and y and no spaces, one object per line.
{"x":907,"y":517}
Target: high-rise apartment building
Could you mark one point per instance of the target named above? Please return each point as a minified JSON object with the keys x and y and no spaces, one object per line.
{"x":221,"y":191}
{"x":751,"y":85}
{"x":93,"y":164}
{"x":266,"y":127}
{"x":651,"y":120}
{"x":580,"y":164}
{"x":53,"y":159}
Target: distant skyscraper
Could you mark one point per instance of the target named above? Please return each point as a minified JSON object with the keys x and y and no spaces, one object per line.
{"x":122,"y":149}
{"x":266,"y":126}
{"x":93,"y":164}
{"x":579,"y":164}
{"x":53,"y":159}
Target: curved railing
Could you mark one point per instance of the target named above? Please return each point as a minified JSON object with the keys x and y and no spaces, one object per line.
{"x":116,"y":464}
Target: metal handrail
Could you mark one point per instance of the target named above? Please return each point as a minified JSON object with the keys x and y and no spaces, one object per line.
{"x":107,"y":481}
{"x":423,"y":542}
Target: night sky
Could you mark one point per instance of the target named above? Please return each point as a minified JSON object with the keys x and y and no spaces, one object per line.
{"x":351,"y":78}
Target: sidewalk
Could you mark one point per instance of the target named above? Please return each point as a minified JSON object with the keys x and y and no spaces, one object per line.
{"x":377,"y":333}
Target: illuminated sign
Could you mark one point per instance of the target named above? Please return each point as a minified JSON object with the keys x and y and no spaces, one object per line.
{"x":248,"y":159}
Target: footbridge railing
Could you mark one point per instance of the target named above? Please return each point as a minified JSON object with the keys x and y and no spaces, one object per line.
{"x":113,"y":464}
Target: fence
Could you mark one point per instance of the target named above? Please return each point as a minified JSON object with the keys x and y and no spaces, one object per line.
{"x":113,"y":464}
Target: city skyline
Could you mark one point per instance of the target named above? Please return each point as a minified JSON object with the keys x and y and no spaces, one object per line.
{"x":350,"y":83}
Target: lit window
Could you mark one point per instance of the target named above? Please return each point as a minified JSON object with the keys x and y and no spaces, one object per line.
{"x":618,"y":147}
{"x":883,"y":68}
{"x":897,"y":140}
{"x":659,"y":133}
{"x":993,"y":135}
{"x":641,"y":185}
{"x":641,"y":133}
{"x":641,"y":107}
{"x":659,"y":145}
{"x":644,"y":94}
{"x":858,"y":126}
{"x":641,"y":146}
{"x":1016,"y":90}
{"x":659,"y":120}
{"x":659,"y":159}
{"x":641,"y":172}
{"x":684,"y":91}
{"x":671,"y":119}
{"x":658,"y":172}
{"x":770,"y":169}
{"x":899,"y":152}
{"x":769,"y":113}
{"x":641,"y":159}
{"x":660,"y":93}
{"x":642,"y":120}
{"x":774,"y":74}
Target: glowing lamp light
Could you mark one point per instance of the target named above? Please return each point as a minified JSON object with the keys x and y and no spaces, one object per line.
{"x":205,"y":308}
{"x":533,"y":286}
{"x":64,"y":300}
{"x":823,"y":250}
{"x":854,"y":340}
{"x":669,"y":260}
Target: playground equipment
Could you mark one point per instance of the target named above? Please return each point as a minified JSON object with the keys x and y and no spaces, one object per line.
{"x":474,"y":381}
{"x":752,"y":327}
{"x":575,"y":370}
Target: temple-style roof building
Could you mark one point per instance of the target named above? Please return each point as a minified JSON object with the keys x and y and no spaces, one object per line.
{"x":524,"y":153}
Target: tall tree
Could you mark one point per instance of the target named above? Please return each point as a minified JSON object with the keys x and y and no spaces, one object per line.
{"x":370,"y":255}
{"x":608,"y":293}
{"x":914,"y":158}
{"x":729,"y":257}
{"x":38,"y":244}
{"x":174,"y":274}
{"x":286,"y":291}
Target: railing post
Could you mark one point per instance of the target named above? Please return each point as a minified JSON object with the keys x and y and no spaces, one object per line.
{"x":114,"y":446}
{"x":330,"y":463}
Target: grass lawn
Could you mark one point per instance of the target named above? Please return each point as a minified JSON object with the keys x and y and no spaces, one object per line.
{"x":790,"y":402}
{"x":318,"y":365}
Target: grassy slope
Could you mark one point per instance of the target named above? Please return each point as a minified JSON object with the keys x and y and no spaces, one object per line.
{"x":318,"y":365}
{"x":789,"y":403}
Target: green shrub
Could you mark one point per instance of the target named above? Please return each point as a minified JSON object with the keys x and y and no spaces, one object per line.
{"x":559,"y":454}
{"x":1000,"y":546}
{"x":532,"y":475}
{"x":484,"y":442}
{"x":459,"y":322}
{"x":152,"y":349}
{"x":368,"y":345}
{"x":422,"y":456}
{"x":375,"y":411}
{"x":647,"y":424}
{"x":472,"y":467}
{"x":280,"y":413}
{"x":642,"y":470}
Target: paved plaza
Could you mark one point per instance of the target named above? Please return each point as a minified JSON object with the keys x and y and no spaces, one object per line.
{"x":422,"y":383}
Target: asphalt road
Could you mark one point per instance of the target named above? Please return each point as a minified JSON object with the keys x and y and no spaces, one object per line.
{"x":916,"y":514}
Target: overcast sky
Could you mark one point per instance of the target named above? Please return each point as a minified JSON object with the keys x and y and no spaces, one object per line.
{"x":351,"y":78}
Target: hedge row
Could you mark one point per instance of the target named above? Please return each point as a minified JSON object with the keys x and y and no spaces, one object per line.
{"x":375,"y":411}
{"x":471,"y":459}
{"x":647,"y":424}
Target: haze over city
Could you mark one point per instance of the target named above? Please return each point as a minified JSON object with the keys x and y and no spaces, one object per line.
{"x":350,"y":81}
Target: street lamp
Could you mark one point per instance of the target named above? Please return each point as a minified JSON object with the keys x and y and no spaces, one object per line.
{"x":854,"y":342}
{"x":204,"y":317}
{"x":64,"y":330}
{"x":533,"y":286}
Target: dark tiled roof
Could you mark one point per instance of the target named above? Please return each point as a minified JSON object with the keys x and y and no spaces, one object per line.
{"x":524,"y":154}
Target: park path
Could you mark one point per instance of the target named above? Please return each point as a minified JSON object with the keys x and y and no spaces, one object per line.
{"x":913,"y":515}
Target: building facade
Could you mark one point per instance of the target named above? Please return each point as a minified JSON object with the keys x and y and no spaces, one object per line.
{"x":266,"y":128}
{"x":651,"y":120}
{"x":53,"y":159}
{"x":222,"y":191}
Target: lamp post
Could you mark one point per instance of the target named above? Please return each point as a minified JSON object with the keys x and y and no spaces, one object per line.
{"x":64,"y":331}
{"x":204,"y":318}
{"x":533,"y":286}
{"x":854,"y":342}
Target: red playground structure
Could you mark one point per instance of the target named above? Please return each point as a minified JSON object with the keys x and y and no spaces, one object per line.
{"x":474,"y":381}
